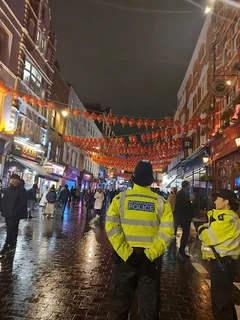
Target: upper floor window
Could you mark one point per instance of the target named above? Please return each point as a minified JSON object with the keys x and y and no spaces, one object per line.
{"x":32,"y":77}
{"x":41,"y":41}
{"x":225,"y":54}
{"x":53,"y":119}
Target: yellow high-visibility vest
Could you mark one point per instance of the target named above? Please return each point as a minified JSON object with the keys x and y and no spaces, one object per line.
{"x":223,"y":233}
{"x":139,"y":218}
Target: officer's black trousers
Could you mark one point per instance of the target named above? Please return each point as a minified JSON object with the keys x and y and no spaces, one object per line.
{"x":221,"y":290}
{"x":125,"y":280}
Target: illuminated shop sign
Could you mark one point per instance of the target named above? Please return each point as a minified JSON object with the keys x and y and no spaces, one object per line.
{"x":24,"y":150}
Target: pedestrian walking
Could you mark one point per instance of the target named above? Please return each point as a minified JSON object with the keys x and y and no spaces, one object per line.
{"x":14,"y":208}
{"x":63,"y":198}
{"x":221,"y":244}
{"x":51,"y":200}
{"x":88,"y":198}
{"x":43,"y":201}
{"x":184,"y":211}
{"x":32,"y":199}
{"x":99,"y":198}
{"x":139,"y":225}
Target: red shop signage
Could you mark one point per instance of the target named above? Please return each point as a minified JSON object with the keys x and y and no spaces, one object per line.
{"x":226,"y":144}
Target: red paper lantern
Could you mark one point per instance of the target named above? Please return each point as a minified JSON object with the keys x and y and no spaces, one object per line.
{"x":139,"y":123}
{"x":197,"y":120}
{"x":177,"y":123}
{"x":147,"y":123}
{"x":169,"y":123}
{"x":85,"y":114}
{"x":33,"y":101}
{"x":41,"y":103}
{"x":109,"y":120}
{"x":26,"y":98}
{"x":131,"y":122}
{"x":135,"y":139}
{"x":115,"y":120}
{"x":161,"y":124}
{"x":50,"y":105}
{"x":162,"y":134}
{"x":153,"y":124}
{"x":143,"y":137}
{"x":173,"y":131}
{"x":148,"y":136}
{"x":76,"y":113}
{"x":15,"y":94}
{"x":124,"y":121}
{"x":191,"y":122}
{"x":100,"y":118}
{"x":203,"y":121}
{"x":178,"y":130}
{"x":93,"y":116}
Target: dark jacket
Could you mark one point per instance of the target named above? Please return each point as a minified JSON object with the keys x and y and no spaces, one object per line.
{"x":14,"y":202}
{"x":184,"y":209}
{"x":32,"y":194}
{"x":63,"y":196}
{"x":51,"y":196}
{"x":88,"y":197}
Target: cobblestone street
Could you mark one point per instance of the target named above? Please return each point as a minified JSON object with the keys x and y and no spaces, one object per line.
{"x":62,"y":270}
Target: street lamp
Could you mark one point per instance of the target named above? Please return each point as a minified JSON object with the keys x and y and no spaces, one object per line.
{"x":237,"y":140}
{"x":64,"y":113}
{"x":205,"y":160}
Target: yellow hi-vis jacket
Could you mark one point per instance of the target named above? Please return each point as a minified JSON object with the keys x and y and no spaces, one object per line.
{"x":139,"y":218}
{"x":223,"y":232}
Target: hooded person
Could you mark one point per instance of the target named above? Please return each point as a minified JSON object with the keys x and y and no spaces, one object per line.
{"x":139,"y":226}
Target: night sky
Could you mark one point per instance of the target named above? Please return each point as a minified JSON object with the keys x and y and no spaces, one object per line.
{"x":126,"y":54}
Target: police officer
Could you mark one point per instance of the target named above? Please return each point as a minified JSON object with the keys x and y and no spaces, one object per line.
{"x":221,"y":244}
{"x":139,"y":225}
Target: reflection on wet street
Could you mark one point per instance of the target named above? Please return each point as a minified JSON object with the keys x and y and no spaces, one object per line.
{"x":62,"y":270}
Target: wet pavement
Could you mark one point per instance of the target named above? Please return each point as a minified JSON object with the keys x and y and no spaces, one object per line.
{"x":62,"y":270}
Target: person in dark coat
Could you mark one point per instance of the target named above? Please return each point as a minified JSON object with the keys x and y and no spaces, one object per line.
{"x":32,"y":199}
{"x":184,"y":210}
{"x":63,"y":198}
{"x":14,"y":208}
{"x":88,"y":198}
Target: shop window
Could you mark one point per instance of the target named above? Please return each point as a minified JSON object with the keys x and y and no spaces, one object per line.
{"x":32,"y":77}
{"x":5,"y":45}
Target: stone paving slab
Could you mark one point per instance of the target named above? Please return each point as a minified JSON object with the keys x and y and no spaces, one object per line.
{"x":62,"y":270}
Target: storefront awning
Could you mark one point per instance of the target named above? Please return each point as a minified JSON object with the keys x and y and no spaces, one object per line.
{"x":37,"y":168}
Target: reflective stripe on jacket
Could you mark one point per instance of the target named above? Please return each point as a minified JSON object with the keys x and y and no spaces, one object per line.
{"x":222,"y":232}
{"x":139,"y":218}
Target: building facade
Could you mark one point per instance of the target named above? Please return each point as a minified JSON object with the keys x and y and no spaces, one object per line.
{"x":207,"y":103}
{"x":77,"y":125}
{"x":28,"y":50}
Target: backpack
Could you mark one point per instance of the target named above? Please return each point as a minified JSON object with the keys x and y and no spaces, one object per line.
{"x":51,"y":197}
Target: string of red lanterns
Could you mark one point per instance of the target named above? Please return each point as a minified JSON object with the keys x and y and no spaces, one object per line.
{"x":171,"y":127}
